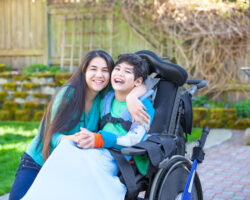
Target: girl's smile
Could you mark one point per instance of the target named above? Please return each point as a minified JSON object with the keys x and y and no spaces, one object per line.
{"x":97,"y":75}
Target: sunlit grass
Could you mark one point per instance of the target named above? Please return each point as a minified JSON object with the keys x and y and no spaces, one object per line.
{"x":14,"y":140}
{"x":196,"y":134}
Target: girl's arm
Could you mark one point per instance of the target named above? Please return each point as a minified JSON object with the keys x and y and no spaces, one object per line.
{"x":136,"y":107}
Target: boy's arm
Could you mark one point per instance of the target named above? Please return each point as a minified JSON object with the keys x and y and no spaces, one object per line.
{"x":135,"y":135}
{"x":135,"y":106}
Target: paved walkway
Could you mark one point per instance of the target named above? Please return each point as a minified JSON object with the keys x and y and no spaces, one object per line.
{"x":225,"y":172}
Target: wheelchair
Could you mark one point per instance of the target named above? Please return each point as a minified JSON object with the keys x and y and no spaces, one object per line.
{"x":168,"y":169}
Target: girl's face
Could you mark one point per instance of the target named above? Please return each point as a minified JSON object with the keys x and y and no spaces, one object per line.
{"x":97,"y":75}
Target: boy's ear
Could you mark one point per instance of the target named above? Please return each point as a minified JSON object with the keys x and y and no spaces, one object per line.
{"x":138,"y":81}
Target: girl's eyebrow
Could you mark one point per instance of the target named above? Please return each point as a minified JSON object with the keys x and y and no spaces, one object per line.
{"x":94,"y":66}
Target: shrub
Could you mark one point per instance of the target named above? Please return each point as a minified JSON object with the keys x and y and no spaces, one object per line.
{"x":38,"y":68}
{"x":199,"y":101}
{"x":198,"y":115}
{"x":242,"y":124}
{"x":2,"y":67}
{"x":44,"y":75}
{"x":11,"y":105}
{"x":5,"y":75}
{"x":23,"y":115}
{"x":3,"y":96}
{"x":22,"y":95}
{"x":9,"y":86}
{"x":212,"y":123}
{"x":41,"y":96}
{"x":62,"y":78}
{"x":243,"y":108}
{"x":20,"y":78}
{"x":29,"y":86}
{"x":38,"y":115}
{"x":32,"y":105}
{"x":5,"y":115}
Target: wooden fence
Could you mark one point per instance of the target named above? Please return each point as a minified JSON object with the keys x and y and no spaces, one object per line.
{"x":61,"y":33}
{"x":75,"y":31}
{"x":22,"y":32}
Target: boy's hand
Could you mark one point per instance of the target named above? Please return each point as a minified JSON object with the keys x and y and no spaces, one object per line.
{"x":85,"y":139}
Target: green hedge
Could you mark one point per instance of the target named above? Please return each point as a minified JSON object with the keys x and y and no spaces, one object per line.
{"x":9,"y":86}
{"x":219,"y":118}
{"x":242,"y":108}
{"x":22,"y":95}
{"x":40,"y":68}
{"x":23,"y":115}
{"x":60,"y":79}
{"x":3,"y":96}
{"x":2,"y":67}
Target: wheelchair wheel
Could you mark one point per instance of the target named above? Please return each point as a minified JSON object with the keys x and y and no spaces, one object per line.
{"x":169,"y":183}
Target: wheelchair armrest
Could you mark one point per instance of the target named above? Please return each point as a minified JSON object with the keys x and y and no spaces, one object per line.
{"x":131,"y":151}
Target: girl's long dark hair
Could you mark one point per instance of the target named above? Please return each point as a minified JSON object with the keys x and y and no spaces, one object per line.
{"x":72,"y":105}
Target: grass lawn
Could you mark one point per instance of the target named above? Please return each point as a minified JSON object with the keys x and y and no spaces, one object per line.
{"x":14,"y":139}
{"x":196,"y":134}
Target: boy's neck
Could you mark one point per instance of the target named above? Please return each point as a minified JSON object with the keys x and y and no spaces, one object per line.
{"x":121,"y":96}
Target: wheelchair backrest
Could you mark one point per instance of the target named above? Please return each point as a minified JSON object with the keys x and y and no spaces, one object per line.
{"x":168,"y":92}
{"x":166,"y":104}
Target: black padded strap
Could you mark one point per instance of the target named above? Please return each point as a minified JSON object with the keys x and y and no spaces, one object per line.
{"x":153,"y":150}
{"x":108,"y":118}
{"x":187,"y":119}
{"x":167,"y":143}
{"x":127,"y":173}
{"x":154,"y":145}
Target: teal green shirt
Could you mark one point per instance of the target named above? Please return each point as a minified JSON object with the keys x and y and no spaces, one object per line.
{"x":117,"y":108}
{"x":91,"y":123}
{"x":110,"y":130}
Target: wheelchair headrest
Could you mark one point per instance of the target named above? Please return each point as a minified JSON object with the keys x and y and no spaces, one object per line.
{"x":169,"y":71}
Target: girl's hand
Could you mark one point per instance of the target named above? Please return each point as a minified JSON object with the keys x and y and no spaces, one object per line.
{"x":137,"y":110}
{"x":85,"y":139}
{"x":69,"y":137}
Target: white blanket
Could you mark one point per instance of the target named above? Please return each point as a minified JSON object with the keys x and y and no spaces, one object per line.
{"x":74,"y":173}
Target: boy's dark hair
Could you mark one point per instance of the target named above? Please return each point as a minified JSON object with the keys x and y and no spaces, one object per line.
{"x":140,"y":65}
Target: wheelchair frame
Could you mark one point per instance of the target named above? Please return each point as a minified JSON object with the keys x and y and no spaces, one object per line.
{"x":164,"y":184}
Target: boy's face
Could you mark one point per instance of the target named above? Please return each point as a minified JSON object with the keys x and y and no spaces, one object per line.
{"x":123,"y":78}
